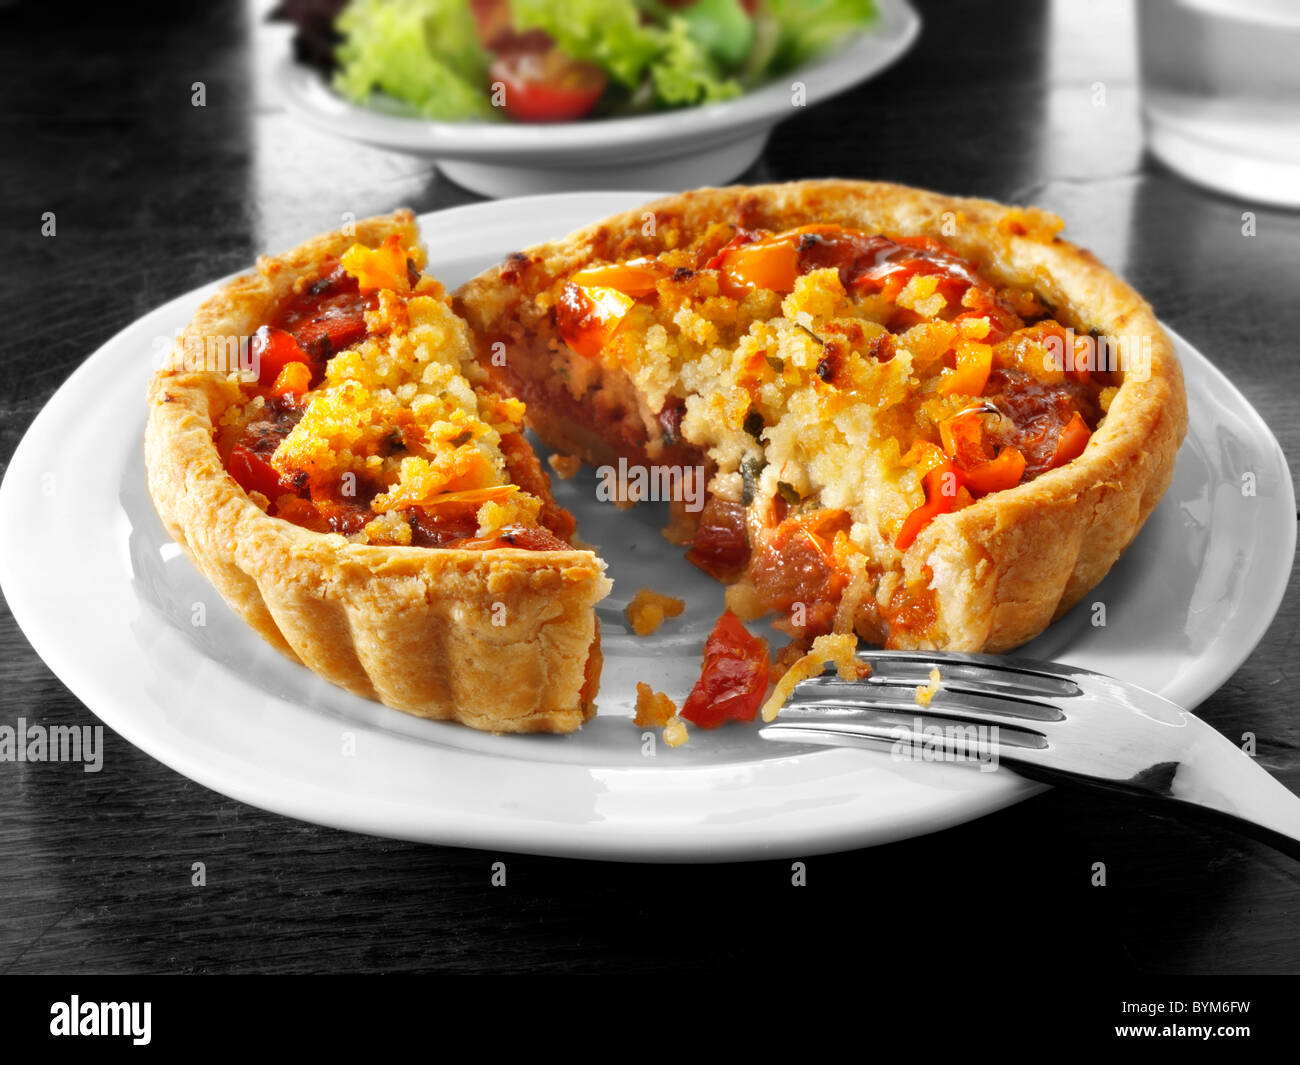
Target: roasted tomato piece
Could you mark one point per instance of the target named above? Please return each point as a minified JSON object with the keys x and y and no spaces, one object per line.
{"x":327,"y":316}
{"x":440,"y":526}
{"x":721,"y":546}
{"x":342,"y":517}
{"x":734,"y":678}
{"x":1073,"y":439}
{"x":332,"y":331}
{"x":253,"y":473}
{"x":547,"y":86}
{"x":910,"y":610}
{"x":1040,"y":416}
{"x":870,"y":262}
{"x":274,"y":349}
{"x":796,"y":564}
{"x":898,"y":260}
{"x":266,"y":434}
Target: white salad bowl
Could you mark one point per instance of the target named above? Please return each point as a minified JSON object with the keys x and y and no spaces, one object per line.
{"x":705,"y":145}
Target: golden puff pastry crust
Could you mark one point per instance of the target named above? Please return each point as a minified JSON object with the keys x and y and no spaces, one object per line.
{"x":1001,"y":570}
{"x":501,"y":639}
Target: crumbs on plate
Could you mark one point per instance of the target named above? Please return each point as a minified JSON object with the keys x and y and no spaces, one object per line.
{"x":565,"y":466}
{"x":655,"y":710}
{"x":648,"y":609}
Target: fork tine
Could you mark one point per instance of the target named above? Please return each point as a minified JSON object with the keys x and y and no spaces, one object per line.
{"x":959,"y":698}
{"x":886,"y":728}
{"x":1017,"y":676}
{"x":986,"y":707}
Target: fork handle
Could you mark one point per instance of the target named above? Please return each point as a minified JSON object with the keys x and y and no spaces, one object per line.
{"x":1215,"y":781}
{"x":1153,"y":795}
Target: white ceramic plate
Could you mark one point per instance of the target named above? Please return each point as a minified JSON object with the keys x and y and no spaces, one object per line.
{"x":109,"y":603}
{"x":681,"y":149}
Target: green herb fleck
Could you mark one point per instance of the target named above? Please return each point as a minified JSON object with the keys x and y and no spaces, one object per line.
{"x":751,"y":469}
{"x":819,"y":340}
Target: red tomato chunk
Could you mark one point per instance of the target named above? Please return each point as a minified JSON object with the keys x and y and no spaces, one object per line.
{"x":734,"y":678}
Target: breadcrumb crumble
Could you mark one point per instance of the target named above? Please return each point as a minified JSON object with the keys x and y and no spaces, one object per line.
{"x":655,"y":710}
{"x":648,"y":609}
{"x":565,"y":466}
{"x":926,"y":692}
{"x":837,"y":648}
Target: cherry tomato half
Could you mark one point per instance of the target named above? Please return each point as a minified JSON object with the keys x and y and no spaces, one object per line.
{"x":547,"y":86}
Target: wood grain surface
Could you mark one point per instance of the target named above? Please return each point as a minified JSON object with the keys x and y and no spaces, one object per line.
{"x":154,"y":197}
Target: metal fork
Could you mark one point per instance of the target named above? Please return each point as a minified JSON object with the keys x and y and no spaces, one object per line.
{"x":1051,"y":722}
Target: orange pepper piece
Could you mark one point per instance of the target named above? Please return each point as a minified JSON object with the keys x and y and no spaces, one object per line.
{"x":926,"y":455}
{"x":1084,"y":352}
{"x":381,"y":267}
{"x":771,"y":263}
{"x":294,"y":379}
{"x":942,"y":485}
{"x":1070,"y":444}
{"x":963,"y":438}
{"x":588,"y":317}
{"x":473,"y":495}
{"x":637,"y":277}
{"x":971,"y":374}
{"x":997,"y":474}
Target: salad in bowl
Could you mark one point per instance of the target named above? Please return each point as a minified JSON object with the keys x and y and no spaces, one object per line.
{"x":518,"y":96}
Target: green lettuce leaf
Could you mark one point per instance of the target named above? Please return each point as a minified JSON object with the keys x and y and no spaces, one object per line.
{"x":805,"y":28}
{"x":424,"y":52}
{"x":720,"y":27}
{"x":684,"y":74}
{"x":605,"y":32}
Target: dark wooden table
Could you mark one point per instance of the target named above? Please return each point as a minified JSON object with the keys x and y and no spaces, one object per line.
{"x":154,"y":196}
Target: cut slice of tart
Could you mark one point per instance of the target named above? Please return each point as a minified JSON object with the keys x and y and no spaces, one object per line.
{"x":325,"y":448}
{"x":930,"y":421}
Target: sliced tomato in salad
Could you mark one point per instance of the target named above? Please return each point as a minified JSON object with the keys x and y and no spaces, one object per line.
{"x":547,"y":86}
{"x":496,"y":31}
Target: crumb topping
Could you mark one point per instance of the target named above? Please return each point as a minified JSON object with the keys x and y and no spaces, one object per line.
{"x":648,"y":609}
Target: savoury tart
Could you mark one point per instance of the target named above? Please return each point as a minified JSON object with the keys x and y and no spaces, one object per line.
{"x":322,"y":444}
{"x":927,"y":420}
